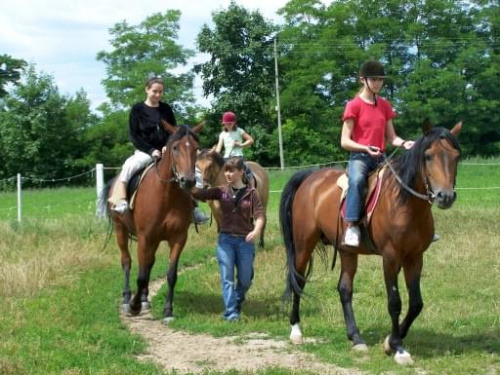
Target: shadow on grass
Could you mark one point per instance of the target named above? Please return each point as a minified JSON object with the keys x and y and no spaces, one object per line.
{"x":429,"y":344}
{"x":203,"y":303}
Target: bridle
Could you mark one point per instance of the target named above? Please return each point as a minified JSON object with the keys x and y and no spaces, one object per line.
{"x":428,"y":197}
{"x":173,"y":169}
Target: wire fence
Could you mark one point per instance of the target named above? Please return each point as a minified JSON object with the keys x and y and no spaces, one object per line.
{"x":48,"y":201}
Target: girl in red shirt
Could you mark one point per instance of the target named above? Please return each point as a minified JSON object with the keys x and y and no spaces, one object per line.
{"x":367,"y":126}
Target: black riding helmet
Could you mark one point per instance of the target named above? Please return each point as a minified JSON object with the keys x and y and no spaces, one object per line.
{"x":372,"y":69}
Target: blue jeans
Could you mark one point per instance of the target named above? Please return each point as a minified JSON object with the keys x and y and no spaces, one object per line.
{"x":360,"y":166}
{"x":234,"y":251}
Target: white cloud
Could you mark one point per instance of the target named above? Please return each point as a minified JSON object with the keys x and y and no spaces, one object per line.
{"x":63,"y":37}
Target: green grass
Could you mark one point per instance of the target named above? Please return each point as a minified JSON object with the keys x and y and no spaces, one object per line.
{"x":61,"y":291}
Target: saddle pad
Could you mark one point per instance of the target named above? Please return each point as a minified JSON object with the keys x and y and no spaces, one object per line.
{"x":372,"y":195}
{"x":136,"y":187}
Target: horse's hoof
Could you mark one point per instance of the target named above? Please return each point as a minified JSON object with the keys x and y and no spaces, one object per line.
{"x":387,"y":347}
{"x":360,"y":348}
{"x":403,"y":358}
{"x":167,"y":320}
{"x":145,"y":305}
{"x":125,"y":308}
{"x":296,"y":339}
{"x":134,"y":312}
{"x":296,"y":335}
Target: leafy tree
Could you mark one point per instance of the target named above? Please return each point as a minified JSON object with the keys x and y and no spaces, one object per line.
{"x":143,"y":51}
{"x":10,"y":72}
{"x":40,"y":130}
{"x":441,"y":57}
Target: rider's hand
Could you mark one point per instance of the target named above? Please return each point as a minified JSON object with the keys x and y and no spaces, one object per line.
{"x":156,"y":154}
{"x":373,"y":151}
{"x":408,"y":144}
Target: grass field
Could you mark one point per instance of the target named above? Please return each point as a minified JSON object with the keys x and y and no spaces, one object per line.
{"x":61,"y":290}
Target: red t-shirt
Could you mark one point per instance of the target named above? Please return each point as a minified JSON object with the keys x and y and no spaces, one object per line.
{"x":369,"y":121}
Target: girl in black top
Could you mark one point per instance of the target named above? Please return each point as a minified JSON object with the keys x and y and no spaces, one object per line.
{"x":149,"y":138}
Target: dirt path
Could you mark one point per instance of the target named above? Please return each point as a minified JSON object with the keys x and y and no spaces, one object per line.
{"x":195,"y":353}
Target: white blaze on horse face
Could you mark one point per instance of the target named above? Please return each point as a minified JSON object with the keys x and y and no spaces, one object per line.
{"x":187,"y":144}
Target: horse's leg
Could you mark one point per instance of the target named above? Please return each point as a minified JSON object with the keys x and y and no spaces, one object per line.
{"x":412,"y":274}
{"x":145,"y":304}
{"x":303,"y":250}
{"x":349,"y":266}
{"x":296,"y":332}
{"x":394,"y":342}
{"x":145,"y":258}
{"x":176,"y":247}
{"x":126,"y":261}
{"x":261,"y":241}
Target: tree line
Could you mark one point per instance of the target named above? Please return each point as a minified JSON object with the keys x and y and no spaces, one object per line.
{"x":442,"y":58}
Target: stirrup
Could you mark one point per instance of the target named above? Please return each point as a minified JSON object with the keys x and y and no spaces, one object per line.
{"x":199,"y":216}
{"x":120,"y":207}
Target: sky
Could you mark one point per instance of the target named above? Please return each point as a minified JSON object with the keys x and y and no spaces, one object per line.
{"x":63,"y":37}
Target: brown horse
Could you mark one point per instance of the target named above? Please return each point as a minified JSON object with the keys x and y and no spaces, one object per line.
{"x":210,"y":164}
{"x":162,"y":212}
{"x":400,"y":230}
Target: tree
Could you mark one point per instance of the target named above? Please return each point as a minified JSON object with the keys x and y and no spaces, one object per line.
{"x":40,"y":130}
{"x":10,"y":72}
{"x":143,"y":51}
{"x":441,"y":57}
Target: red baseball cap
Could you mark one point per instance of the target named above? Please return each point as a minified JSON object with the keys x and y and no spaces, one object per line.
{"x":228,"y":117}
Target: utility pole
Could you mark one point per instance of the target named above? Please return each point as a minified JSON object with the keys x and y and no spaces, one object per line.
{"x":278,"y":109}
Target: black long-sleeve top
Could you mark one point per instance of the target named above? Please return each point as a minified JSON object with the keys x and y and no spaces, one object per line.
{"x":145,"y":129}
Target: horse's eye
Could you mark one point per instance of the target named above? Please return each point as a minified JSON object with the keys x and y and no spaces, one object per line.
{"x":428,"y":157}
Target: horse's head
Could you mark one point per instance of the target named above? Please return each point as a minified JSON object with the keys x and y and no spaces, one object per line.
{"x":209,"y":162}
{"x":181,"y":148}
{"x":440,"y":155}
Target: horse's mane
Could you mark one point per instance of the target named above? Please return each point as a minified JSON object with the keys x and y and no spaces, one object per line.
{"x":182,"y":131}
{"x":409,"y":165}
{"x":217,"y":157}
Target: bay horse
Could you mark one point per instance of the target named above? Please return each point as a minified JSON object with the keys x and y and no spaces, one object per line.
{"x":400,"y":230}
{"x":162,"y":211}
{"x":210,"y":163}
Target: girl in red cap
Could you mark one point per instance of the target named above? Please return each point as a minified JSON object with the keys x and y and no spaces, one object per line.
{"x":234,"y":138}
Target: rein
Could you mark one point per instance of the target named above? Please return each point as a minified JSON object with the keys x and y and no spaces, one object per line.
{"x":175,"y":178}
{"x":429,"y":197}
{"x":166,"y":180}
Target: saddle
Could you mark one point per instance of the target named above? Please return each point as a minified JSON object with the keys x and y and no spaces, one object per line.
{"x":372,"y":192}
{"x":134,"y":184}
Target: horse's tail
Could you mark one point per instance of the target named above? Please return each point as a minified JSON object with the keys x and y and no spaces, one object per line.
{"x":286,"y":224}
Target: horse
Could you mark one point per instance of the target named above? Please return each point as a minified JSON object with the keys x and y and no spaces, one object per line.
{"x":162,"y":211}
{"x":210,"y":163}
{"x":400,"y":230}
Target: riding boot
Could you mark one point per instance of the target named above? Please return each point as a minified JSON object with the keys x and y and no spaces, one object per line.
{"x":118,"y":197}
{"x":199,"y":215}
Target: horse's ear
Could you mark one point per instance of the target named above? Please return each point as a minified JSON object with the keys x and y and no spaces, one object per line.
{"x":456,"y":129}
{"x":169,"y":128}
{"x":198,"y":128}
{"x":427,"y":126}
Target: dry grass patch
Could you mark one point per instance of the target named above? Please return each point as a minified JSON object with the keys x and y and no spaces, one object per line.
{"x":40,"y":254}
